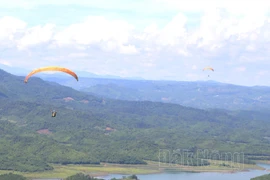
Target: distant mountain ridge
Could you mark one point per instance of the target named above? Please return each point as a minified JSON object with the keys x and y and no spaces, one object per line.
{"x":197,"y":94}
{"x":24,"y":72}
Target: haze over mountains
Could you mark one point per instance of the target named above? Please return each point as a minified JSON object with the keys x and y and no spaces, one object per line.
{"x":198,"y":94}
{"x":23,"y":72}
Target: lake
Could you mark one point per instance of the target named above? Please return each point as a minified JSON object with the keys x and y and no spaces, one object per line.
{"x":199,"y":176}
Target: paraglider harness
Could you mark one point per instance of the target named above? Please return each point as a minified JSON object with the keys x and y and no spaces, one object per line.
{"x":54,"y":113}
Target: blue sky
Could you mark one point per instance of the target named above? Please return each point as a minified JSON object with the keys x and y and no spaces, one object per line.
{"x":152,"y":39}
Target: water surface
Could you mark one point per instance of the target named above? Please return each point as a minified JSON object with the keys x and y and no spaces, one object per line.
{"x":247,"y":175}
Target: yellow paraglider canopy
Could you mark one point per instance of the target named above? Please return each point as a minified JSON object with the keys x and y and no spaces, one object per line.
{"x":208,"y":68}
{"x":51,"y":68}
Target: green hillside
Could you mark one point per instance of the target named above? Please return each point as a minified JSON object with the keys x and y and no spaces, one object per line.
{"x":88,"y":129}
{"x":25,"y":150}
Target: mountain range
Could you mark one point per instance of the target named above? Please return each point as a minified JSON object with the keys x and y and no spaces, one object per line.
{"x":197,"y":94}
{"x":91,"y":128}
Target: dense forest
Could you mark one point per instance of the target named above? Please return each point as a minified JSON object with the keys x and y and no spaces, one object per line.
{"x":91,"y":130}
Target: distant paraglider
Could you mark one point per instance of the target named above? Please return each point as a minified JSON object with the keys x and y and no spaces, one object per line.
{"x":208,"y":68}
{"x":51,"y":68}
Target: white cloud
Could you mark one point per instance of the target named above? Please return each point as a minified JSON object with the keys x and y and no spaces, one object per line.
{"x":174,"y":33}
{"x":5,"y":63}
{"x":223,"y":38}
{"x":216,"y":30}
{"x":110,"y":35}
{"x":78,"y":55}
{"x":262,"y":72}
{"x":251,"y":47}
{"x":194,"y":67}
{"x":9,"y":28}
{"x":240,"y":69}
{"x":130,"y":49}
{"x":36,"y":35}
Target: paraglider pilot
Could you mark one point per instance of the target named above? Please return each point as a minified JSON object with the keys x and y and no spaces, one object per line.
{"x":54,"y":113}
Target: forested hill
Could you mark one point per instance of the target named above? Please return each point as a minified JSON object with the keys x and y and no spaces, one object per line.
{"x":88,"y":129}
{"x":198,"y":94}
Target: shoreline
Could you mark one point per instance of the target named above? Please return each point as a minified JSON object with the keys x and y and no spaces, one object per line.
{"x":188,"y":169}
{"x":107,"y":169}
{"x":103,"y":175}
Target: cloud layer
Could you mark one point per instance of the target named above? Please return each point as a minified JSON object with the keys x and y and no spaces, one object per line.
{"x":233,"y":39}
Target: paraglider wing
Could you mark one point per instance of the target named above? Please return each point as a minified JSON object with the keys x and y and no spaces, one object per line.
{"x":51,"y":68}
{"x":208,"y":68}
